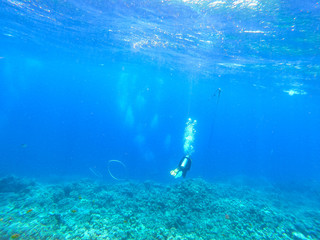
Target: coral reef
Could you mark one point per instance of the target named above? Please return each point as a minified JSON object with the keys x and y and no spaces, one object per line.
{"x":190,"y":209}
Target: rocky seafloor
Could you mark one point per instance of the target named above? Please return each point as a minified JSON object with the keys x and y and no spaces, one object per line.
{"x":189,"y":209}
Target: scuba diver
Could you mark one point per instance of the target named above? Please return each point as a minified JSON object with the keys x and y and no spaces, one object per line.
{"x":185,"y":163}
{"x":183,"y":167}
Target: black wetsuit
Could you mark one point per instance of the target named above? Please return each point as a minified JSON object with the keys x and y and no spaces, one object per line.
{"x":185,"y":168}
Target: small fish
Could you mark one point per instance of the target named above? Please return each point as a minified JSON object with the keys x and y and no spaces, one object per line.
{"x":24,"y":145}
{"x":15,"y":236}
{"x":30,"y":210}
{"x":73,"y":210}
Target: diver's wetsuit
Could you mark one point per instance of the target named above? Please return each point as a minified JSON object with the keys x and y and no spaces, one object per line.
{"x":185,"y":165}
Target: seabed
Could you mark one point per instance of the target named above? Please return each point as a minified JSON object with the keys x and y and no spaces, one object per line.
{"x":189,"y":209}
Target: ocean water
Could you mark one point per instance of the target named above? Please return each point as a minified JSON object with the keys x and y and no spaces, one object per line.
{"x":84,"y":82}
{"x":102,"y":90}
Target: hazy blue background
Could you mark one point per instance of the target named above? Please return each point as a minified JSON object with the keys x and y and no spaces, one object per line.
{"x":83,"y":82}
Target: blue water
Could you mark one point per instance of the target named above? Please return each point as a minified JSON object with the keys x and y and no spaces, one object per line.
{"x":84,"y":82}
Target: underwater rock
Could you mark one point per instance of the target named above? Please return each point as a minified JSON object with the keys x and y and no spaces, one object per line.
{"x":190,"y":209}
{"x":14,"y":184}
{"x":58,"y":195}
